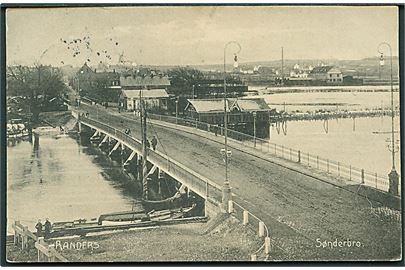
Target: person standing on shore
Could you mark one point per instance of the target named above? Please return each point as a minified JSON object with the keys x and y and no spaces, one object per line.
{"x":38,"y":226}
{"x":48,"y":228}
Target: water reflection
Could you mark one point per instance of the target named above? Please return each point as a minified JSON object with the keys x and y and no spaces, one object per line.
{"x":63,"y":179}
{"x":361,"y":142}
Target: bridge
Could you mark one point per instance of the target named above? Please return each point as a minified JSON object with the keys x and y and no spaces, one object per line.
{"x":302,"y":208}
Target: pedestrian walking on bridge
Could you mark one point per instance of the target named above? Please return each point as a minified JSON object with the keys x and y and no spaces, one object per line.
{"x":154,"y":143}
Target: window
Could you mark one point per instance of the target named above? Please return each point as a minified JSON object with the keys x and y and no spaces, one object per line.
{"x":330,"y":75}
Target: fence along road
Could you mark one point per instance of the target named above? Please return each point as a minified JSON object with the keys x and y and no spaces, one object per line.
{"x":297,"y":208}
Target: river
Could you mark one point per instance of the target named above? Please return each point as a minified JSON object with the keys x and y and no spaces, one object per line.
{"x":362,"y":142}
{"x":63,"y":179}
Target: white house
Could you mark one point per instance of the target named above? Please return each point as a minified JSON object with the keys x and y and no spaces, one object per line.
{"x":154,"y":99}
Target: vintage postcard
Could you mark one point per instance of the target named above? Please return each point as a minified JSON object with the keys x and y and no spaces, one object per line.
{"x":203,"y":133}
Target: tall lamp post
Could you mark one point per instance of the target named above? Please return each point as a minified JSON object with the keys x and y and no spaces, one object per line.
{"x":226,"y":193}
{"x":393,"y":175}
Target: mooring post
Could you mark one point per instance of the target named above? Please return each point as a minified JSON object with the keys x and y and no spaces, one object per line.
{"x":362,"y":176}
{"x":253,"y":257}
{"x":245,"y":217}
{"x":299,"y":156}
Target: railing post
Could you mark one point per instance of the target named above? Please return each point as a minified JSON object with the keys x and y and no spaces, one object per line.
{"x":338,"y":168}
{"x":261,"y":228}
{"x":267,"y":245}
{"x":25,"y":238}
{"x":245,"y":217}
{"x":362,"y":176}
{"x":376,"y":184}
{"x":230,"y":206}
{"x":40,"y":241}
{"x":16,"y":223}
{"x":206,"y":189}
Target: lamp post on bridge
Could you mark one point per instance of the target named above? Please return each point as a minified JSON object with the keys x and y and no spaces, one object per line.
{"x":226,"y":192}
{"x":254,"y":127}
{"x":393,"y":175}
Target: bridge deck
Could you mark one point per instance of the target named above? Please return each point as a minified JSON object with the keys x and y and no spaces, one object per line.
{"x":300,"y":210}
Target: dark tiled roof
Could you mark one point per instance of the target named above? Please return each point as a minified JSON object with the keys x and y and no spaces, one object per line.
{"x":144,"y":81}
{"x":321,"y":69}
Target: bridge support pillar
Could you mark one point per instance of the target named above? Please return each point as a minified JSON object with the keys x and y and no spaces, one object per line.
{"x":226,"y":197}
{"x":393,"y":180}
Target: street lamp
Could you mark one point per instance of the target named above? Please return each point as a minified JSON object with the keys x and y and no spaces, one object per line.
{"x":226,"y":189}
{"x":177,"y":109}
{"x":393,"y":175}
{"x":254,"y":128}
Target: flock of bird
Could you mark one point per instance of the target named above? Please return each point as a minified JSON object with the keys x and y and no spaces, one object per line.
{"x":82,"y":46}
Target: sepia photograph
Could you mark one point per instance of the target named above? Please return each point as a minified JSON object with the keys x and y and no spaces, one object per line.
{"x":202,"y":133}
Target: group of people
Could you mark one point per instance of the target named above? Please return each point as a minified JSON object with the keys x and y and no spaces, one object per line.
{"x":44,"y":230}
{"x":153,"y":142}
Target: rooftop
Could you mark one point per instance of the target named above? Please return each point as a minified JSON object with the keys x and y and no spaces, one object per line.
{"x":130,"y":80}
{"x":155,"y":93}
{"x":217,"y":105}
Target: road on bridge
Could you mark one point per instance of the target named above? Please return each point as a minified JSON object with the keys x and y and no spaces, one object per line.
{"x":300,"y":211}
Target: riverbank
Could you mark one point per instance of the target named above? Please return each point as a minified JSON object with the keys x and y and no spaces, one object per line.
{"x":56,"y":119}
{"x":227,"y":241}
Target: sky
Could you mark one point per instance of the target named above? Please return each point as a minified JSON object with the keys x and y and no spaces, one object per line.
{"x":196,"y":35}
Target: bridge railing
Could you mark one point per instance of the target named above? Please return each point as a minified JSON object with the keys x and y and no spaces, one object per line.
{"x":200,"y":184}
{"x":330,"y":167}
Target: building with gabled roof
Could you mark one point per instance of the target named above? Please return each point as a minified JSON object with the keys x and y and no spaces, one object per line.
{"x":328,"y":74}
{"x":154,"y":99}
{"x":239,"y":110}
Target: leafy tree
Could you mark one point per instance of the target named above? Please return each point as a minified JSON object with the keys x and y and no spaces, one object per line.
{"x":37,"y":84}
{"x":182,"y":80}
